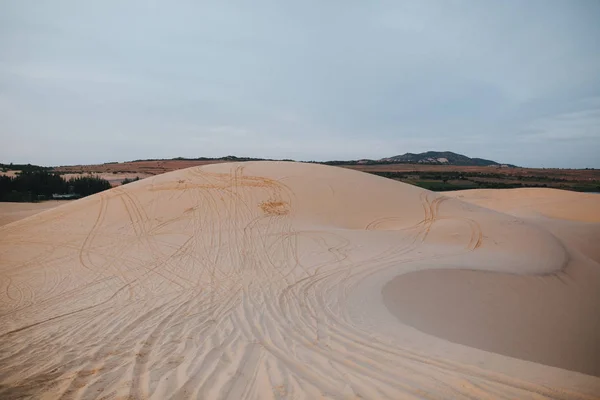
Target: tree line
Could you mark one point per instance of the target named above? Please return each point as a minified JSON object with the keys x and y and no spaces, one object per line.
{"x":34,"y":185}
{"x":23,"y":167}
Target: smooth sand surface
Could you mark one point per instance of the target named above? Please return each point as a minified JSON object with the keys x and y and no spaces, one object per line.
{"x":531,"y":202}
{"x":272,"y":280}
{"x":551,"y":318}
{"x":11,"y":212}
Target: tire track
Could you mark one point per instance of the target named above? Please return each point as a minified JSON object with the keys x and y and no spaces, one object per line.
{"x":230,"y":300}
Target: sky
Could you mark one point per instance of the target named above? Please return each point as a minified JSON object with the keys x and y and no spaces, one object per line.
{"x":100,"y":81}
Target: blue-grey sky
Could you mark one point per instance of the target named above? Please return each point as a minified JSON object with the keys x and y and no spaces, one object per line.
{"x":87,"y":82}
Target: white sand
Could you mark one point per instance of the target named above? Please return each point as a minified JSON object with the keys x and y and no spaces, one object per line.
{"x":264,"y":280}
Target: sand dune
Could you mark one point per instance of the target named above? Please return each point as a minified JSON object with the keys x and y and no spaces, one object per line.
{"x":11,"y":212}
{"x":267,"y":280}
{"x":532,"y":202}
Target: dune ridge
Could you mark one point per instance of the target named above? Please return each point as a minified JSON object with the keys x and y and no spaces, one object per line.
{"x":259,"y":280}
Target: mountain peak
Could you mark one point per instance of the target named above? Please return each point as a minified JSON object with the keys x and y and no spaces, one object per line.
{"x":440,"y":158}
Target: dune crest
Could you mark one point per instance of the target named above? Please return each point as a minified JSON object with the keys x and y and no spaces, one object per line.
{"x":258,"y":280}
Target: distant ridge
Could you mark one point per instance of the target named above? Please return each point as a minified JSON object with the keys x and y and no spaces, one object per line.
{"x":429,"y":157}
{"x":440,"y":158}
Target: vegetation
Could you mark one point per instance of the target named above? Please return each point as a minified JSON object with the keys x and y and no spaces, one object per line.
{"x":128,"y":180}
{"x":23,"y":167}
{"x":432,"y":157}
{"x":227,"y":158}
{"x":87,"y":185}
{"x":34,"y":185}
{"x":457,"y":180}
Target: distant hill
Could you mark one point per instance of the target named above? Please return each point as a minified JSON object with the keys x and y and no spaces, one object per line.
{"x":440,"y":158}
{"x":22,"y":167}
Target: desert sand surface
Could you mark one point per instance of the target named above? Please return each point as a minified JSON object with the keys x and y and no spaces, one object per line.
{"x":9,"y":173}
{"x":10,"y":212}
{"x":533,"y":202}
{"x":274,"y":280}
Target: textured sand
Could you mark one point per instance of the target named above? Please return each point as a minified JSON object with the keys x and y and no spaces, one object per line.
{"x":264,"y":280}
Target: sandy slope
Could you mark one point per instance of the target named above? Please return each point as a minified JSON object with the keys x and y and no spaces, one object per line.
{"x":11,"y":212}
{"x":550,"y":318}
{"x":264,"y":280}
{"x":532,"y":202}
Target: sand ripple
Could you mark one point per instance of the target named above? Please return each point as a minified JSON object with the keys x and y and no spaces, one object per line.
{"x":255,"y":280}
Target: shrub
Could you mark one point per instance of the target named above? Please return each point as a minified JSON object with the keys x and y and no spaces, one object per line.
{"x":127,"y":180}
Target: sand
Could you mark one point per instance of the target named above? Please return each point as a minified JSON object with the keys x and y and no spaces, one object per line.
{"x":11,"y":212}
{"x":534,"y":202}
{"x":273,"y":280}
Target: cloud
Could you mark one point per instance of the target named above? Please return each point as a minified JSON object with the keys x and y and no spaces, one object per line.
{"x":312,"y":80}
{"x":568,"y":127}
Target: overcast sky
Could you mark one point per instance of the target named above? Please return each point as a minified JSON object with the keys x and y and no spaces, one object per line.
{"x":87,"y":82}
